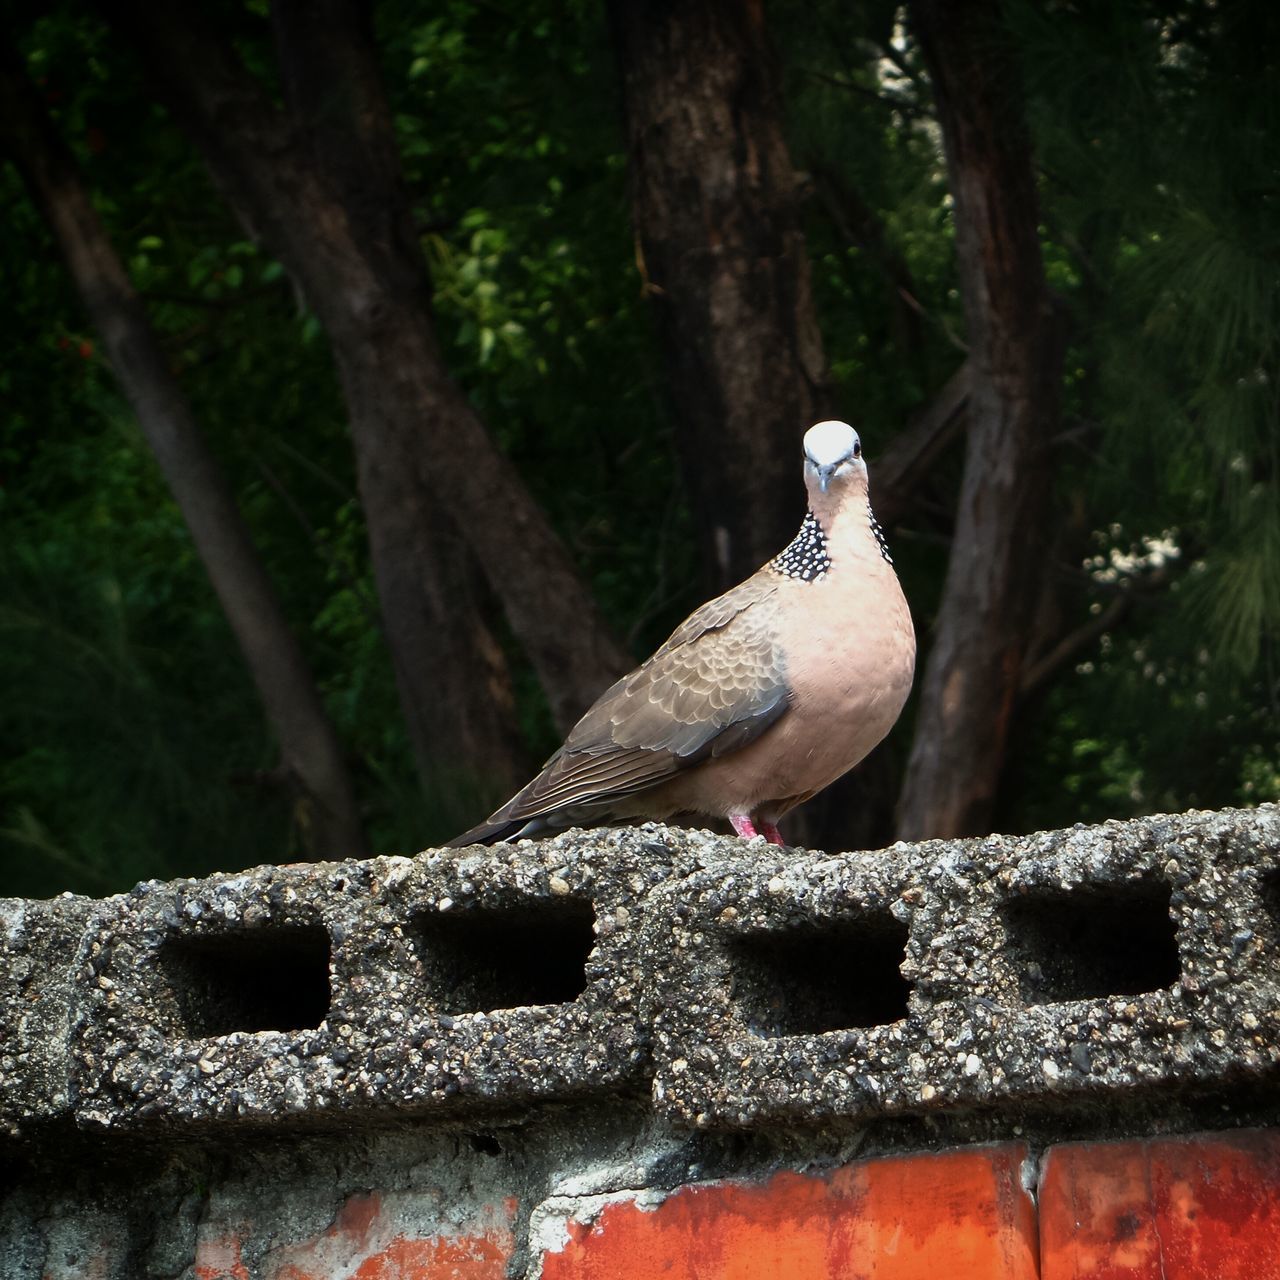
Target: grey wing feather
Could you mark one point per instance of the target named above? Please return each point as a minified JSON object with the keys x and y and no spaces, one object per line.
{"x":712,"y":688}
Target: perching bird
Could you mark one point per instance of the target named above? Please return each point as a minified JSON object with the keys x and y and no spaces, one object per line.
{"x":761,"y":697}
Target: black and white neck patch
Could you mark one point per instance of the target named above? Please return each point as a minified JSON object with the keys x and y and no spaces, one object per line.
{"x":879,"y":534}
{"x":805,"y":556}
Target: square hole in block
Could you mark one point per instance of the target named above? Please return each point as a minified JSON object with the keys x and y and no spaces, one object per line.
{"x":822,"y":977}
{"x":261,"y":979}
{"x":477,"y":959}
{"x":1097,"y":940}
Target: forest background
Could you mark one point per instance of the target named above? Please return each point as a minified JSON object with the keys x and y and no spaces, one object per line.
{"x":378,"y":385}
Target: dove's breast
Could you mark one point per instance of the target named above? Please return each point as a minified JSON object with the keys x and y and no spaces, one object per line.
{"x":850,"y":658}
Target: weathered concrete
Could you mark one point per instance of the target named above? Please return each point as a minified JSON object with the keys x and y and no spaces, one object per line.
{"x":390,"y":987}
{"x":37,"y":946}
{"x":220,"y":1077}
{"x":1038,"y":969}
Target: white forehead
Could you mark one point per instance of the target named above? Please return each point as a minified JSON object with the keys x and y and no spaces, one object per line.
{"x":829,"y":442}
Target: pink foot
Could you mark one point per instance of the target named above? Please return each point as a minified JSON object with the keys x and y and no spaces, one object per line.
{"x":771,"y":833}
{"x":743,"y":825}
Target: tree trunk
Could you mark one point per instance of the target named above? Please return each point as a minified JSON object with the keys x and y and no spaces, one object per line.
{"x":358,"y":264}
{"x":724,"y":262}
{"x":426,"y":573}
{"x":972,"y":675}
{"x":309,"y":746}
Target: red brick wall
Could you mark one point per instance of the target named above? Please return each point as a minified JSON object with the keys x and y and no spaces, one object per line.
{"x":1197,"y":1208}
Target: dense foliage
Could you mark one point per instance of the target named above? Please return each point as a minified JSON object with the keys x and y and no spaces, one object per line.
{"x":131,"y":741}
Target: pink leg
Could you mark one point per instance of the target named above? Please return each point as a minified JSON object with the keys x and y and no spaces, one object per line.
{"x":770,"y":832}
{"x":743,"y":825}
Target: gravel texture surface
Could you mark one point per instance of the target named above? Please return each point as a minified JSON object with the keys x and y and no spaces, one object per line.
{"x":733,"y":984}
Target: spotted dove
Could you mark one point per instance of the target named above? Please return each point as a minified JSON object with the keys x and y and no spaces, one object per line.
{"x":761,"y":697}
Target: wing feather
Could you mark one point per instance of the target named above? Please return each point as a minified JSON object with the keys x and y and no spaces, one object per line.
{"x":716,"y":684}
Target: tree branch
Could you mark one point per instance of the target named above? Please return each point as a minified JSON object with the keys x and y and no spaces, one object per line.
{"x":326,"y":197}
{"x":858,"y":224}
{"x":909,"y":110}
{"x":914,"y":451}
{"x":1038,"y":673}
{"x":290,"y":699}
{"x":324,"y":548}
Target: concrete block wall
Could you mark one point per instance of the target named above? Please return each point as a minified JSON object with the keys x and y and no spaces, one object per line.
{"x":656,"y":1052}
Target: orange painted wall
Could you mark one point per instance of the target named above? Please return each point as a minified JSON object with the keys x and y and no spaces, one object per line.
{"x":1205,"y":1207}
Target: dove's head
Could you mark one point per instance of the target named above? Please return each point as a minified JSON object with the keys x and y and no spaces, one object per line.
{"x":833,"y":460}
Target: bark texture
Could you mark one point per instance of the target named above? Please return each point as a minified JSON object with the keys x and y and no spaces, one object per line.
{"x":972,"y":674}
{"x":723,"y":258}
{"x":427,"y":576}
{"x":312,"y":756}
{"x":321,"y":187}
